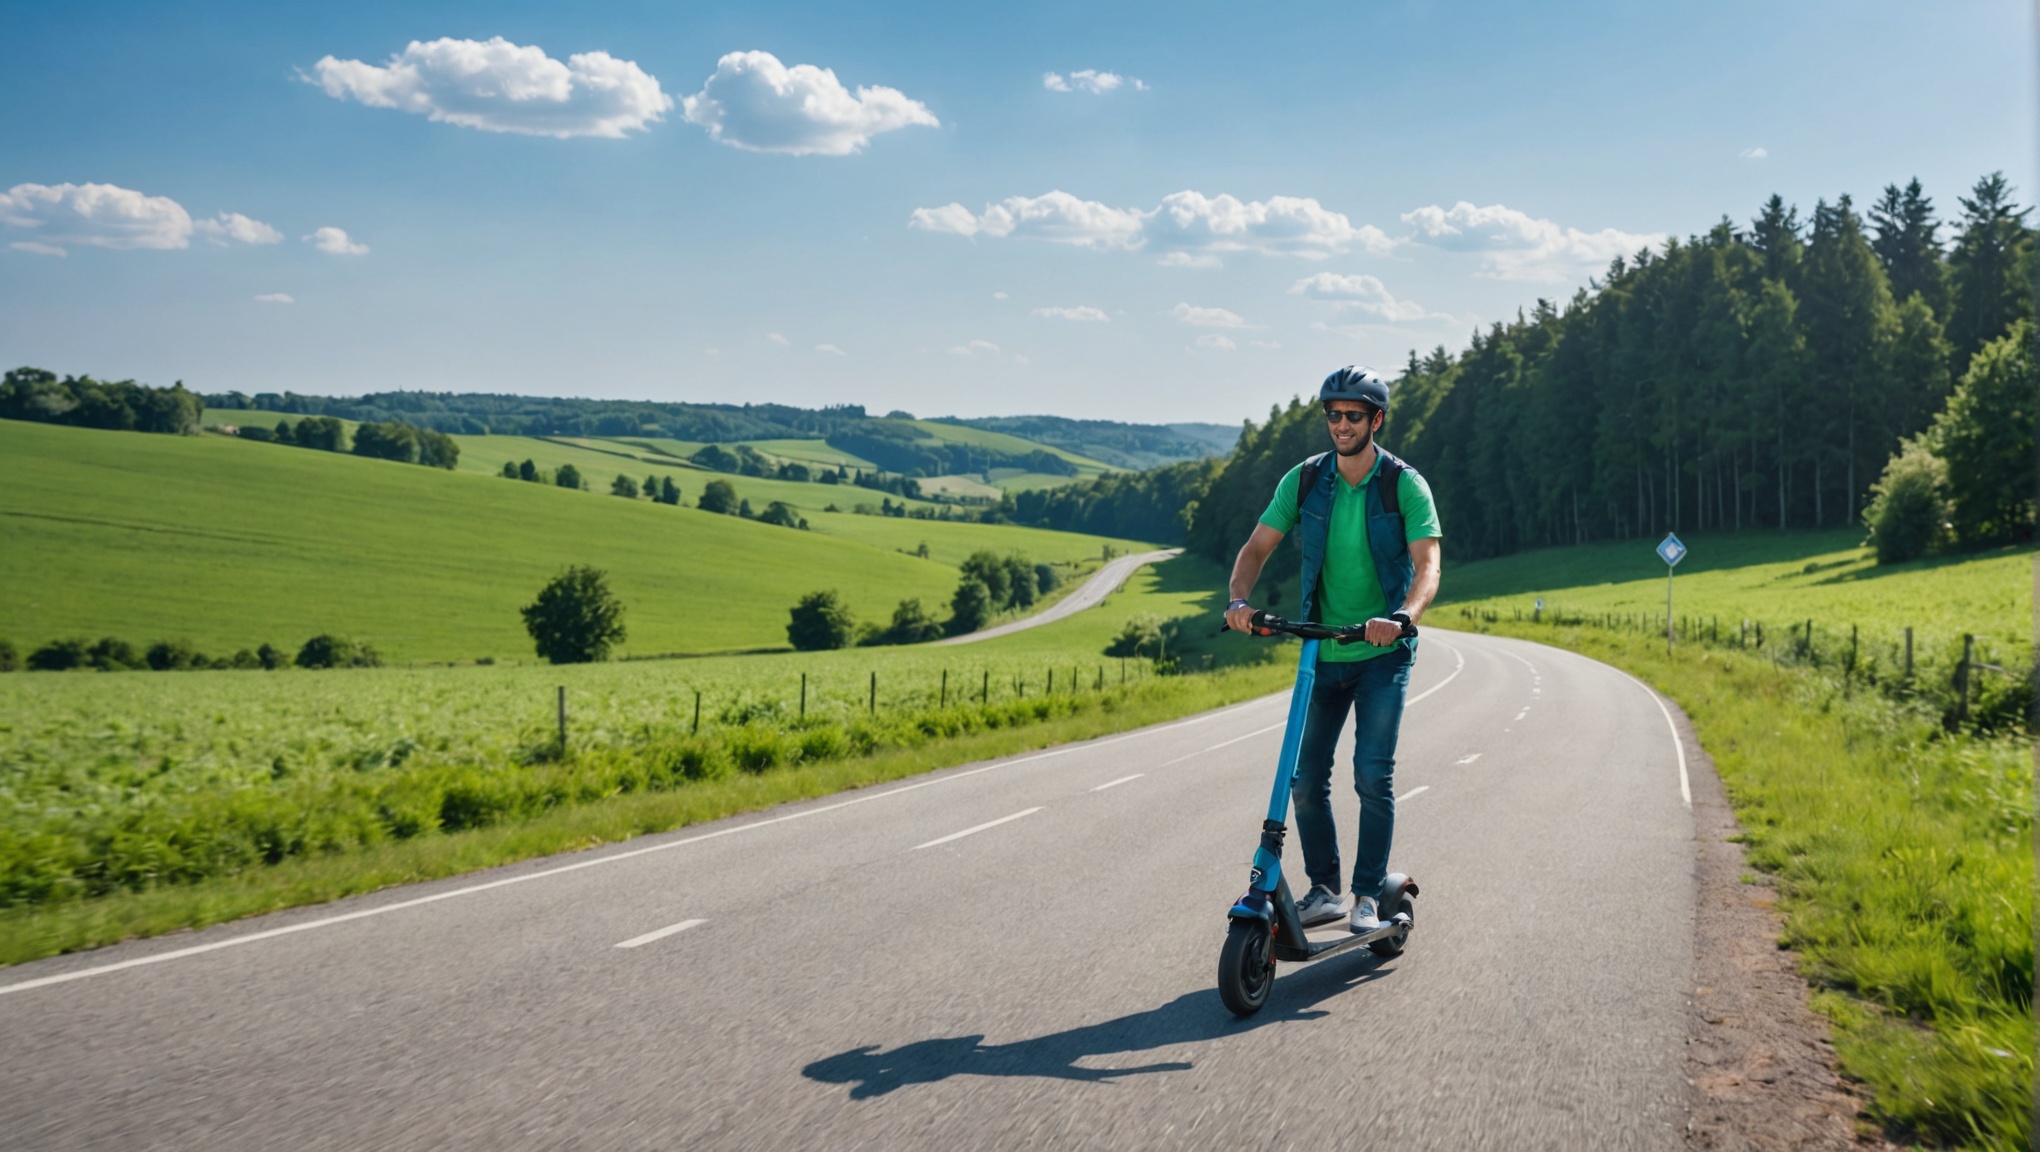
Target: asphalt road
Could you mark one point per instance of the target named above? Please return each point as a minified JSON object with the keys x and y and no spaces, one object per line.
{"x":861,"y":973}
{"x":1101,"y":584}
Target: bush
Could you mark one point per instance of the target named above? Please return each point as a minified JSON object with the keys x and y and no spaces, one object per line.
{"x":510,"y":470}
{"x":987,"y":569}
{"x":329,"y":651}
{"x":112,"y":654}
{"x":529,"y":473}
{"x":1908,"y":513}
{"x":59,"y":656}
{"x":911,"y":624}
{"x":820,"y":622}
{"x":271,"y":657}
{"x":10,"y":658}
{"x":388,"y":440}
{"x":1144,"y":635}
{"x":1019,"y":582}
{"x":720,"y":497}
{"x":1046,"y":578}
{"x":780,"y":513}
{"x":669,"y":492}
{"x":568,"y":477}
{"x":623,"y":486}
{"x":1986,"y":436}
{"x":970,"y":607}
{"x":324,"y":433}
{"x":576,"y":619}
{"x":174,"y":656}
{"x":744,"y":510}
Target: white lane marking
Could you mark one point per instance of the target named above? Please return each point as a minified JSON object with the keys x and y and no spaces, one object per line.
{"x":1116,"y":783}
{"x":1468,"y":759}
{"x":660,"y":934}
{"x":342,"y":918}
{"x":1456,"y":670}
{"x":1413,"y":792}
{"x":1223,"y":744}
{"x":1520,"y":715}
{"x":979,"y":828}
{"x":1678,"y":744}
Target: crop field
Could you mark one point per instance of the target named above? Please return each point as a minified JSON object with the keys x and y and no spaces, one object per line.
{"x":233,"y":544}
{"x":118,"y":785}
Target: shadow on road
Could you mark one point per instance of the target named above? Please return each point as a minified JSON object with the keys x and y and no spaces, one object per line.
{"x":1191,"y":1018}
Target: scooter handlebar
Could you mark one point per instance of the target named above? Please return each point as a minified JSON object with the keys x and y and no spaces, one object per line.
{"x":1265,"y":624}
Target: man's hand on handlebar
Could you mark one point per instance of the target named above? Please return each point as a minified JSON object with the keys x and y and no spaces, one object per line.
{"x":1240,"y":619}
{"x":1381,"y":631}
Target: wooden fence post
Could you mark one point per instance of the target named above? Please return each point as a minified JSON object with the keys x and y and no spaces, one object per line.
{"x":945,"y":689}
{"x":874,"y":692}
{"x":563,"y":719}
{"x":803,"y":695}
{"x":1962,"y":679}
{"x":1908,"y":652}
{"x":697,"y":713}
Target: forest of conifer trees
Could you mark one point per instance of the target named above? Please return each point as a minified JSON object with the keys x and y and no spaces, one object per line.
{"x":1753,"y":376}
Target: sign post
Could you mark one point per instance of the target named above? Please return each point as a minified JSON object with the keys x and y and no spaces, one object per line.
{"x":1671,"y":550}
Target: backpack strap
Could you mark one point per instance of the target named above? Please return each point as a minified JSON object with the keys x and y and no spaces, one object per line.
{"x":1307,"y":476}
{"x":1388,"y":481}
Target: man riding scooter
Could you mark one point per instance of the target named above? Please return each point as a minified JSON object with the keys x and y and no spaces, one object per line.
{"x":1370,"y":555}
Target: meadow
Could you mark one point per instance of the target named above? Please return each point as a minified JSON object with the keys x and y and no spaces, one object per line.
{"x":232,"y":544}
{"x":137,"y":803}
{"x":1901,"y":848}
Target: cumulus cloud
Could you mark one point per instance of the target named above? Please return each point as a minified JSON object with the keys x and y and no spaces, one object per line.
{"x":276,"y":298}
{"x":497,"y":86}
{"x":1213,"y":342}
{"x":1186,"y":260}
{"x":1207,"y":317}
{"x":1365,"y":295}
{"x":756,"y":103}
{"x":109,"y":216}
{"x":1188,"y":226}
{"x":234,"y":227}
{"x":998,"y":295}
{"x":975,"y":348}
{"x":830,"y":350}
{"x":1088,"y":80}
{"x":778,"y":339}
{"x":1518,"y":246}
{"x":1753,"y":154}
{"x":335,"y":241}
{"x":1080,"y":312}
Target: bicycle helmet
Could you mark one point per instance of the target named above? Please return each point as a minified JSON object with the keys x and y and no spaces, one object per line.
{"x":1356,"y":383}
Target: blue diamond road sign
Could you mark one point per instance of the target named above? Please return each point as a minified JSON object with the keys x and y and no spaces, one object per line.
{"x":1671,"y":550}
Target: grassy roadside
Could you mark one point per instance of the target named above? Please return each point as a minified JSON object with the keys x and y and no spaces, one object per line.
{"x":636,"y":803}
{"x":1903,"y":858}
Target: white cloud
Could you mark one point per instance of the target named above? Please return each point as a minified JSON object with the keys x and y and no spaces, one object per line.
{"x":1365,"y":295}
{"x":38,"y":249}
{"x":975,"y":348}
{"x":1190,"y":226}
{"x":998,"y":296}
{"x":1207,"y":317}
{"x":1519,"y":246}
{"x":1753,"y":154}
{"x":335,"y":241}
{"x":1267,"y":344}
{"x":1088,"y":80}
{"x":97,"y":215}
{"x":1080,"y":312}
{"x":830,"y":350}
{"x":232,"y":226}
{"x":1211,"y":341}
{"x":276,"y":298}
{"x":497,"y":86}
{"x":756,"y":103}
{"x":776,"y":338}
{"x":1186,"y":260}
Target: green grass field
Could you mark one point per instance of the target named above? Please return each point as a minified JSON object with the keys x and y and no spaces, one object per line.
{"x":232,"y":544}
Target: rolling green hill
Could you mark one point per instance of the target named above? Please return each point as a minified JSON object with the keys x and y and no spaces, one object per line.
{"x":231,"y":544}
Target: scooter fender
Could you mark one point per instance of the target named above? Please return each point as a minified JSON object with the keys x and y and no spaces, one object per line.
{"x":1255,"y":906}
{"x":1393,"y":888}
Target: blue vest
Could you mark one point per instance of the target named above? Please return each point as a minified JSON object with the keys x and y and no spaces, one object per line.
{"x":1317,"y":487}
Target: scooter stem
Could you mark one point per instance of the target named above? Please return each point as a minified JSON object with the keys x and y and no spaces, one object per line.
{"x":1292,"y":732}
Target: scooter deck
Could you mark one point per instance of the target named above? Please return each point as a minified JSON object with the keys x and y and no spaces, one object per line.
{"x":1333,"y":938}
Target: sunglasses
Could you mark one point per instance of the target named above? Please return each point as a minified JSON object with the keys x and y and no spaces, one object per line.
{"x":1364,"y":416}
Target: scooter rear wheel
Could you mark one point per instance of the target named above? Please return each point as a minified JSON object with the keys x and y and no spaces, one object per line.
{"x":1393,"y":945}
{"x":1245,"y":969}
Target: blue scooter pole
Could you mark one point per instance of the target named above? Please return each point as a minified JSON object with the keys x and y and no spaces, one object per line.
{"x":1267,"y":874}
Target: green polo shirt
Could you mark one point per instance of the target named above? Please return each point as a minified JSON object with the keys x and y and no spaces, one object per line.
{"x":1349,"y":589}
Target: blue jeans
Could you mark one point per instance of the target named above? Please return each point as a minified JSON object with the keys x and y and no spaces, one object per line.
{"x":1373,"y":691}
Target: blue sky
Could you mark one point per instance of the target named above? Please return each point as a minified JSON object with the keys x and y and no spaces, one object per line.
{"x":1209,"y":208}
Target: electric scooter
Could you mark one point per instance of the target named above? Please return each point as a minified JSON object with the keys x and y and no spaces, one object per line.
{"x":1263,"y":924}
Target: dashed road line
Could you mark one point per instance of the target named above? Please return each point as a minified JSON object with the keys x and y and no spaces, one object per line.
{"x":979,"y":828}
{"x":659,"y":933}
{"x":1413,"y":792}
{"x":1116,"y":783}
{"x":1467,"y":759}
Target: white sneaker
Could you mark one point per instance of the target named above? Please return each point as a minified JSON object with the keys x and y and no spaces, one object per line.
{"x":1320,"y":905}
{"x":1364,"y":917}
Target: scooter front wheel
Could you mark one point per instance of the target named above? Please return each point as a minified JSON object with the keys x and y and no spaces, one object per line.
{"x":1245,"y":969}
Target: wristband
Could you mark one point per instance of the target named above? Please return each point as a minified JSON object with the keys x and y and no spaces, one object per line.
{"x":1237,"y":604}
{"x":1402,"y":618}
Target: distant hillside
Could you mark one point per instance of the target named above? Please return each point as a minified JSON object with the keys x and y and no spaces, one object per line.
{"x":1134,"y":446}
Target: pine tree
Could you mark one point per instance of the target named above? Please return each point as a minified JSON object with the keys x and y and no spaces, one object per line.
{"x":1989,"y":268}
{"x":1846,"y":311}
{"x":1775,"y":236}
{"x":1909,"y":245}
